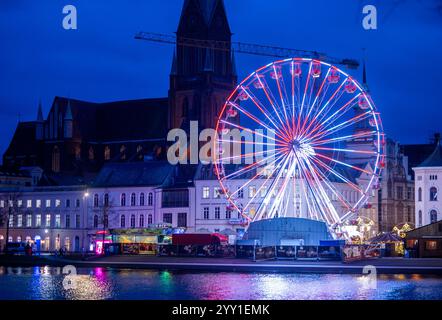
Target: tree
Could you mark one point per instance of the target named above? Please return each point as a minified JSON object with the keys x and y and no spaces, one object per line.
{"x":102,"y":210}
{"x":8,"y":209}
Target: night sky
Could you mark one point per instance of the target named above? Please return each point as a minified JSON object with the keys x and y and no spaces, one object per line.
{"x":101,"y":61}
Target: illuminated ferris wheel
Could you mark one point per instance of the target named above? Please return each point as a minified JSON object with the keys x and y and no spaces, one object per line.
{"x":299,"y":138}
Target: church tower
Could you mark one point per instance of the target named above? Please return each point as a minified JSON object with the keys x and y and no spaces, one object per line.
{"x":201,"y":78}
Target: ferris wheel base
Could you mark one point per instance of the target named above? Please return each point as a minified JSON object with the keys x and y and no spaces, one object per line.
{"x":288,"y":231}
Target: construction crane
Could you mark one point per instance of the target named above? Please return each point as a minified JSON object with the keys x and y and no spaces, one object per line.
{"x":246,"y":48}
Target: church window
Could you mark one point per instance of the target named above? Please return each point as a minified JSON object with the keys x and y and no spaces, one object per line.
{"x":106,"y":153}
{"x":56,"y":159}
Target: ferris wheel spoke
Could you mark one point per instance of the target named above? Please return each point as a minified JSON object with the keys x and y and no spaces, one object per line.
{"x":251,"y":131}
{"x":315,"y":101}
{"x":242,"y":156}
{"x":255,"y":177}
{"x":337,"y":175}
{"x":343,"y":138}
{"x":347,"y":150}
{"x":256,"y":120}
{"x":281,"y":89}
{"x":327,"y":132}
{"x":263,"y":110}
{"x":344,"y":164}
{"x":333,"y":189}
{"x":247,"y":168}
{"x":336,"y":115}
{"x":303,"y":98}
{"x":267,"y":92}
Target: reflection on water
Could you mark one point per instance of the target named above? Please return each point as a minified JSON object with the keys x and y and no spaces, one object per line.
{"x":103,"y":283}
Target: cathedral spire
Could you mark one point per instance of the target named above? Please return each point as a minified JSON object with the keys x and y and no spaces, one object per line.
{"x":174,"y":70}
{"x":40,"y":112}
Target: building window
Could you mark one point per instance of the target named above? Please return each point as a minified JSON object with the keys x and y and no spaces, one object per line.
{"x":11,"y":221}
{"x":206,"y":213}
{"x":56,"y":159}
{"x":38,"y":203}
{"x":57,"y":221}
{"x":182,"y":220}
{"x":240,"y":193}
{"x":19,"y":203}
{"x":106,"y":199}
{"x":91,"y":154}
{"x":216,"y":193}
{"x":431,"y":245}
{"x":29,"y":204}
{"x":149,"y":219}
{"x":68,"y":221}
{"x":433,"y":194}
{"x":95,"y":221}
{"x":48,"y":203}
{"x":228,"y":214}
{"x":419,"y":194}
{"x":142,"y":199}
{"x":217,"y":213}
{"x":77,"y":221}
{"x":399,"y":193}
{"x":77,"y":203}
{"x":68,"y":203}
{"x":19,"y":221}
{"x":433,"y":216}
{"x":107,"y":154}
{"x":150,"y":199}
{"x":206,"y":192}
{"x":48,"y":221}
{"x":252,"y":191}
{"x":167,"y":218}
{"x":123,"y":221}
{"x":38,"y":221}
{"x":77,"y":153}
{"x":132,"y":221}
{"x":123,"y":152}
{"x":142,"y":221}
{"x":96,"y":200}
{"x":2,"y":203}
{"x":29,"y":220}
{"x":123,"y":199}
{"x":133,"y":199}
{"x":408,"y":213}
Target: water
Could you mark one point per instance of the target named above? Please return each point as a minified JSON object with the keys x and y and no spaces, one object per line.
{"x":101,"y":283}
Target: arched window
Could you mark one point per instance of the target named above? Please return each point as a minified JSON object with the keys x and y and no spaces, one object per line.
{"x":142,"y":199}
{"x":123,"y":199}
{"x":419,"y":194}
{"x":133,"y":199}
{"x":123,"y":152}
{"x":56,"y":159}
{"x":139,"y":148}
{"x":420,"y":218}
{"x":149,"y":219}
{"x":142,"y":221}
{"x":77,"y":153}
{"x":132,"y":221}
{"x":123,"y":221}
{"x":433,"y":216}
{"x":96,"y":200}
{"x":150,"y":199}
{"x":91,"y":154}
{"x":106,"y":199}
{"x":95,"y":221}
{"x":107,"y":153}
{"x":106,"y":221}
{"x":433,"y":194}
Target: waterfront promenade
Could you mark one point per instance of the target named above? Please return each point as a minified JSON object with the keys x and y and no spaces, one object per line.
{"x":383,"y":265}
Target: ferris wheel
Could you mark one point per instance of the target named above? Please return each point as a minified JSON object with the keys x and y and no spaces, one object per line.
{"x":299,"y":138}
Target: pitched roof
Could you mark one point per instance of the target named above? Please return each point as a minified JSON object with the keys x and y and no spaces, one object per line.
{"x":23,"y":142}
{"x":435,"y":159}
{"x":152,"y":173}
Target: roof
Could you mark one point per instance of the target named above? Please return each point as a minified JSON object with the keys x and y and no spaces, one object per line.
{"x":429,"y":230}
{"x":434,"y":160}
{"x":133,"y":174}
{"x":23,"y":142}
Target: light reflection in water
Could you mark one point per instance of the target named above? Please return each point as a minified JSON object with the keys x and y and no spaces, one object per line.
{"x":102,"y":283}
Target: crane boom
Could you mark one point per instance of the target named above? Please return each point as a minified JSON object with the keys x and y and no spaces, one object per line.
{"x":246,"y":48}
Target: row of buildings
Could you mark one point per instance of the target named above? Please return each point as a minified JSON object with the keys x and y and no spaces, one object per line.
{"x":88,"y":168}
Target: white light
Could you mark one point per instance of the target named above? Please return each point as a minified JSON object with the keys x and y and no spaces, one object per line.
{"x":46,"y":230}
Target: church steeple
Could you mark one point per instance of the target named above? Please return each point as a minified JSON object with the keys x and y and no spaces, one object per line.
{"x":39,"y":123}
{"x":201,"y":77}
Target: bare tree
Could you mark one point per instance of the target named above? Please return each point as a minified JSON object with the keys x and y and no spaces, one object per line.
{"x":102,"y":211}
{"x":9,"y":208}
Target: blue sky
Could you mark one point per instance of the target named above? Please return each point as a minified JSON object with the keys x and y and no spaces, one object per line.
{"x":102,"y":62}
